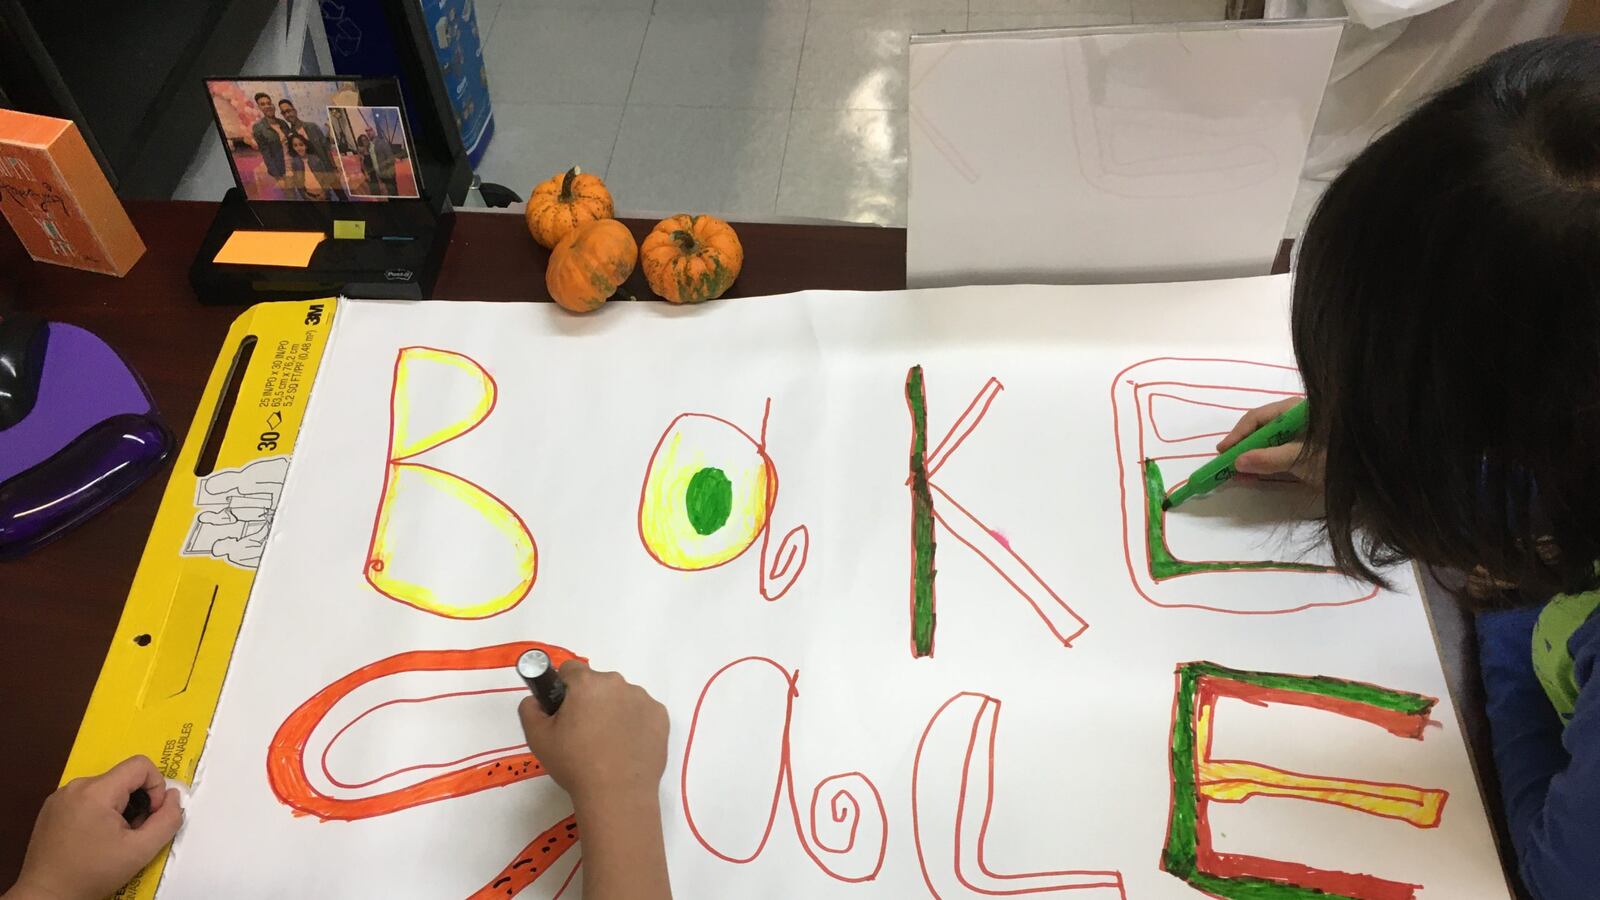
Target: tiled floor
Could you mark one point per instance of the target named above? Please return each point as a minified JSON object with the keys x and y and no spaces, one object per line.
{"x":754,"y":109}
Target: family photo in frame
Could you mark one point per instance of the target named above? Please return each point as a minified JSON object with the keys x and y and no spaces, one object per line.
{"x":315,"y":139}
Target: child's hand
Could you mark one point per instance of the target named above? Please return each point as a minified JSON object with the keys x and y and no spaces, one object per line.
{"x":82,"y":849}
{"x":608,"y":747}
{"x":608,"y":739}
{"x":1281,"y":463}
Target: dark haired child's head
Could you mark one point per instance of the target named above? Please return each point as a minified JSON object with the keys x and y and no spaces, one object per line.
{"x":1447,"y":323}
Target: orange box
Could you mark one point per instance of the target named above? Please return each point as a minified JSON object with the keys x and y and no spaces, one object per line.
{"x":57,"y":199}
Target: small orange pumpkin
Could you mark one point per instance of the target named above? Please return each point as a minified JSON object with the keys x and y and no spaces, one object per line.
{"x":564,"y":202}
{"x":589,"y":264}
{"x":689,"y":259}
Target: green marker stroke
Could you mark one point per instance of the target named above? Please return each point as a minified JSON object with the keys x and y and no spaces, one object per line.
{"x":708,"y":500}
{"x":1180,"y":856}
{"x":922,"y":544}
{"x":1165,"y":565}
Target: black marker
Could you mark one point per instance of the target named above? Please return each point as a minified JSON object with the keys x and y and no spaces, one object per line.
{"x":138,"y":805}
{"x":543,"y":680}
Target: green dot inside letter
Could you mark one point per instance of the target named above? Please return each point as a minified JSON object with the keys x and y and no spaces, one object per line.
{"x":708,"y":500}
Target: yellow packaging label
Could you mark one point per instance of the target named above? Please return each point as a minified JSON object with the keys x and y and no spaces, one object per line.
{"x":163,"y":675}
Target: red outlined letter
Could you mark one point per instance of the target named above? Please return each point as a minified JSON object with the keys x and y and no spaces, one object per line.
{"x":1168,"y":413}
{"x":951,"y":815}
{"x":709,"y":491}
{"x":1198,"y":780}
{"x":853,"y":849}
{"x":291,"y":780}
{"x":438,"y":396}
{"x":932,"y":504}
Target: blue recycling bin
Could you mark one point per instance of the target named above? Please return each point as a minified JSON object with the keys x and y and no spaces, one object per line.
{"x":359,"y":43}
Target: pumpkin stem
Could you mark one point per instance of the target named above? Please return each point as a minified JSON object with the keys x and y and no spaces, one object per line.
{"x":566,"y":184}
{"x":685,"y":241}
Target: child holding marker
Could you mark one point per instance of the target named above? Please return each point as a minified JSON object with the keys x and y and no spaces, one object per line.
{"x":1446,"y":320}
{"x":607,"y":747}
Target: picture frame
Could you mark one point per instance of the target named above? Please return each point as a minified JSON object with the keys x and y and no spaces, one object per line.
{"x":297,"y":138}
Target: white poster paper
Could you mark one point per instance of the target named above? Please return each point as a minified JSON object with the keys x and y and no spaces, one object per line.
{"x":725,"y":503}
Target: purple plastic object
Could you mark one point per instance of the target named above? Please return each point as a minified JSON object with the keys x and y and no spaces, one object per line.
{"x":88,"y":431}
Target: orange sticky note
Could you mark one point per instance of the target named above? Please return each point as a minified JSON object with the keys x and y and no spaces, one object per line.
{"x":292,"y":249}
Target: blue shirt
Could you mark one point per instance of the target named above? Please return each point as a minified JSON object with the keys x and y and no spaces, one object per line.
{"x":1549,"y":771}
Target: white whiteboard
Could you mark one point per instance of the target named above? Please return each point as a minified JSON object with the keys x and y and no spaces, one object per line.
{"x":1122,"y":154}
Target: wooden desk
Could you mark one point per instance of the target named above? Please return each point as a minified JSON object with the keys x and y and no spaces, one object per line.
{"x":60,"y":605}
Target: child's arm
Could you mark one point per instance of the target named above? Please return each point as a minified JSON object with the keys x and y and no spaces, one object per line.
{"x":607,"y":747}
{"x":1550,"y":778}
{"x":82,"y":848}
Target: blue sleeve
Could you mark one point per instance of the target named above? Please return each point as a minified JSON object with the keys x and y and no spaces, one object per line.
{"x":1550,"y":779}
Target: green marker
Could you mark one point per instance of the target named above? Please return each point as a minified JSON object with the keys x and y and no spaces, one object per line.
{"x":1210,"y":476}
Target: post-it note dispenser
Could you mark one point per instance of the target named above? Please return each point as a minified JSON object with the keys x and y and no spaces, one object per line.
{"x":256,"y":250}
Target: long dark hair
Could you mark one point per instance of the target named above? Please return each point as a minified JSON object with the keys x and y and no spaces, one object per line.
{"x":1447,"y":323}
{"x":301,"y":139}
